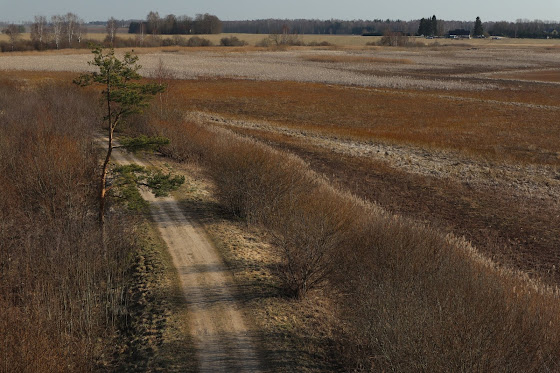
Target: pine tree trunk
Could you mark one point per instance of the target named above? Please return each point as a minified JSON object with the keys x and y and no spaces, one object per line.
{"x":103,"y":184}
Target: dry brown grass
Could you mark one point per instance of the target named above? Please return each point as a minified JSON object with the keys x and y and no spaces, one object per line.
{"x":504,"y":216}
{"x":439,"y":307}
{"x":30,"y":79}
{"x":476,"y":127}
{"x":494,"y":126}
{"x":466,"y":71}
{"x":411,"y":298}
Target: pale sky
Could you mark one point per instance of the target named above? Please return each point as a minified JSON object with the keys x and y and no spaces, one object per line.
{"x":100,"y":10}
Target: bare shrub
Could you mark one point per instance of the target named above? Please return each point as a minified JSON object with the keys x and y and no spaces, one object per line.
{"x":285,"y":38}
{"x":164,"y":76}
{"x":419,"y":301}
{"x":309,"y":233}
{"x":394,"y":39}
{"x":232,"y":41}
{"x":281,"y":40}
{"x":272,"y":189}
{"x":197,"y":41}
{"x":263,"y":43}
{"x":61,"y":291}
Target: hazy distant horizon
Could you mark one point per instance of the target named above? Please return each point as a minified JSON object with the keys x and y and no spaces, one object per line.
{"x":25,"y":10}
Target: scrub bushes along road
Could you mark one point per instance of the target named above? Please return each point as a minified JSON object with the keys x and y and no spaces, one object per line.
{"x":408,"y":298}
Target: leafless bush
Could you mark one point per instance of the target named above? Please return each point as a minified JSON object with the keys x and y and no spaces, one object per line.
{"x":309,"y":232}
{"x":394,"y":39}
{"x":197,"y":41}
{"x":164,"y":76}
{"x":272,"y":189}
{"x":232,"y":41}
{"x":281,"y":40}
{"x":61,"y":291}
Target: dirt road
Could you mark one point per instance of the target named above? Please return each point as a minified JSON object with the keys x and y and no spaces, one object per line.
{"x":223,"y":340}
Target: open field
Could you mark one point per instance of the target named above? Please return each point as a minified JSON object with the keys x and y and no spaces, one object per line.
{"x":445,"y":160}
{"x":460,"y":68}
{"x":460,"y":113}
{"x":476,"y":127}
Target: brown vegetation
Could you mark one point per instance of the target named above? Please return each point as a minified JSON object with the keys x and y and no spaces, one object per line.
{"x":419,"y":301}
{"x":409,"y":297}
{"x":505,"y":218}
{"x":60,"y":289}
{"x":69,"y":302}
{"x":479,"y":127}
{"x":515,"y":224}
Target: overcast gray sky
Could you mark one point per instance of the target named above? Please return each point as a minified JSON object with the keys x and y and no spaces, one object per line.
{"x":91,"y":10}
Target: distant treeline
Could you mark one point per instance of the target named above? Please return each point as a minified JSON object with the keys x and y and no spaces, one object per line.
{"x":519,"y":29}
{"x":316,"y":26}
{"x":70,"y":31}
{"x":176,"y":25}
{"x":524,"y":29}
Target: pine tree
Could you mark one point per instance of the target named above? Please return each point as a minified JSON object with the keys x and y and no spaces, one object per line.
{"x":122,"y":97}
{"x":434,"y":26}
{"x":478,"y":30}
{"x":425,"y":27}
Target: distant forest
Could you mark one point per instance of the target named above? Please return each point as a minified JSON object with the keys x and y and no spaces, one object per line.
{"x":518,"y":29}
{"x":176,"y":25}
{"x":70,"y":31}
{"x":211,"y":24}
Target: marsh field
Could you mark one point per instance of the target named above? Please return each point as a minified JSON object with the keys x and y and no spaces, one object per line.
{"x":424,"y":183}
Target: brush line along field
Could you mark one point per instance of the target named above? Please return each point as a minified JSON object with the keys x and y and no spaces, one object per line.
{"x":416,"y":191}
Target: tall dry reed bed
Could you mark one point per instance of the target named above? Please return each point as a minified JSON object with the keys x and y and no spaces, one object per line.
{"x":408,"y":298}
{"x":60,"y":289}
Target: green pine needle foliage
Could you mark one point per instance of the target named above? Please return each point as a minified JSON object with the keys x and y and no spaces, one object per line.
{"x":143,"y":142}
{"x":127,"y":179}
